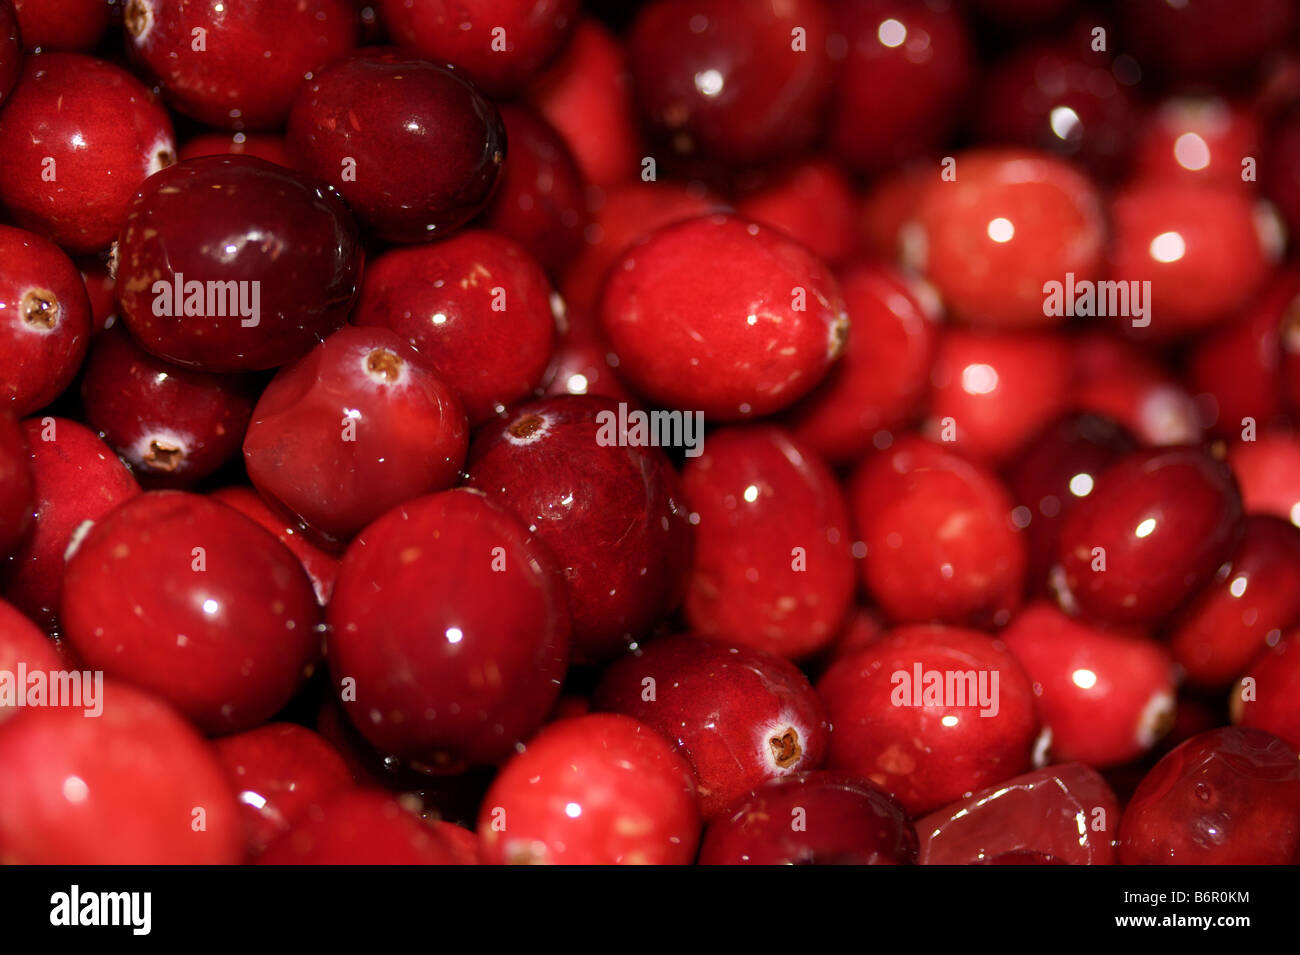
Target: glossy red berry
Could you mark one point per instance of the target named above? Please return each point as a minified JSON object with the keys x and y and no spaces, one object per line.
{"x":449,"y":618}
{"x":739,"y":716}
{"x":270,"y":147}
{"x":17,"y":484}
{"x":594,"y":790}
{"x":76,"y":25}
{"x":1268,"y":472}
{"x":185,"y":597}
{"x":1115,"y":379}
{"x":1064,"y":813}
{"x":102,"y":291}
{"x":812,"y":818}
{"x":812,"y":202}
{"x":580,"y":364}
{"x":354,"y":428}
{"x":120,"y":789}
{"x":22,"y":644}
{"x":772,"y":567}
{"x":1266,"y":696}
{"x":321,"y":566}
{"x":173,"y":425}
{"x":475,"y":307}
{"x":287,"y":242}
{"x":77,"y":138}
{"x":45,"y":322}
{"x":728,"y":81}
{"x":748,"y":336}
{"x":1106,"y":697}
{"x":605,"y":503}
{"x":280,"y":771}
{"x":500,"y":44}
{"x":412,"y":146}
{"x":1009,"y":223}
{"x":1230,"y":796}
{"x":252,"y":58}
{"x":1197,"y":140}
{"x":907,"y":503}
{"x":1156,"y":527}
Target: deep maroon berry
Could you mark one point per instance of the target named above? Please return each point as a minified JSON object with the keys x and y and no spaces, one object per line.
{"x":739,"y":716}
{"x":17,"y":484}
{"x":606,"y":504}
{"x":76,"y":25}
{"x":11,"y":50}
{"x":288,"y":243}
{"x":185,"y":597}
{"x":356,"y":427}
{"x":1204,"y":39}
{"x":413,"y":147}
{"x":449,"y":623}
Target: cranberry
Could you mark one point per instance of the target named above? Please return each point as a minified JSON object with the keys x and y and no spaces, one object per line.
{"x":187,"y":598}
{"x":77,"y":138}
{"x":45,"y":321}
{"x":356,"y":427}
{"x":1056,"y":468}
{"x":606,"y":505}
{"x":997,"y":390}
{"x":900,"y":86}
{"x":412,"y":146}
{"x":772,"y":567}
{"x":272,"y":148}
{"x":288,"y":243}
{"x":1268,"y":471}
{"x":1228,"y":623}
{"x":321,"y":566}
{"x":541,"y":201}
{"x":812,"y":818}
{"x":362,"y":827}
{"x":1010,"y":222}
{"x":253,"y":58}
{"x":865,"y":626}
{"x":1230,"y":796}
{"x":281,"y":771}
{"x":1064,"y":814}
{"x":1197,"y":140}
{"x":17,"y":490}
{"x":738,"y":715}
{"x":580,"y":364}
{"x":731,"y":81}
{"x":594,"y":790}
{"x":888,"y":206}
{"x":908,"y":503}
{"x":1274,"y":687}
{"x":1061,"y":98}
{"x":1114,"y":379}
{"x":748,"y":336}
{"x":500,"y":44}
{"x":1106,"y":697}
{"x":11,"y":50}
{"x":137,"y":786}
{"x":1279,"y":172}
{"x":102,"y":291}
{"x":1155,"y":528}
{"x":173,"y":425}
{"x":77,"y":478}
{"x":22,"y":644}
{"x":76,"y":25}
{"x":586,"y":95}
{"x":477,"y":309}
{"x":811,"y":201}
{"x":1205,"y":250}
{"x":930,"y":714}
{"x":1204,"y":39}
{"x":449,"y":623}
{"x":880,"y":384}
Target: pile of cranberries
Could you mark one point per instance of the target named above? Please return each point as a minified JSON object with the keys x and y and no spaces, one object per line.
{"x":718,"y":431}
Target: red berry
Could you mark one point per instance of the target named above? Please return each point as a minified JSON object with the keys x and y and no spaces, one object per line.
{"x":412,"y":146}
{"x":580,"y":364}
{"x":449,"y":620}
{"x":1155,"y":528}
{"x":354,"y":428}
{"x":608,"y":507}
{"x":1266,"y":696}
{"x":1115,"y":379}
{"x":189,"y":599}
{"x":1197,"y":140}
{"x":1205,"y":39}
{"x":748,"y":336}
{"x":123,"y":789}
{"x":22,"y":644}
{"x":812,"y":818}
{"x":281,"y":772}
{"x":11,"y":50}
{"x":930,"y":714}
{"x":1064,"y":814}
{"x":1268,"y":471}
{"x":940,"y":543}
{"x":272,"y":148}
{"x":810,"y":201}
{"x":888,"y":206}
{"x":17,"y":484}
{"x":253,"y":58}
{"x":102,"y":291}
{"x":173,"y":425}
{"x":76,"y":25}
{"x":215,"y":220}
{"x":477,"y":309}
{"x":1230,"y":796}
{"x":772,"y":567}
{"x":45,"y":322}
{"x":77,"y":138}
{"x":739,"y":716}
{"x":594,"y":790}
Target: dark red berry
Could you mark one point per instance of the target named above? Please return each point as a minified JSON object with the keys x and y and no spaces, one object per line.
{"x":76,"y":25}
{"x":17,"y":484}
